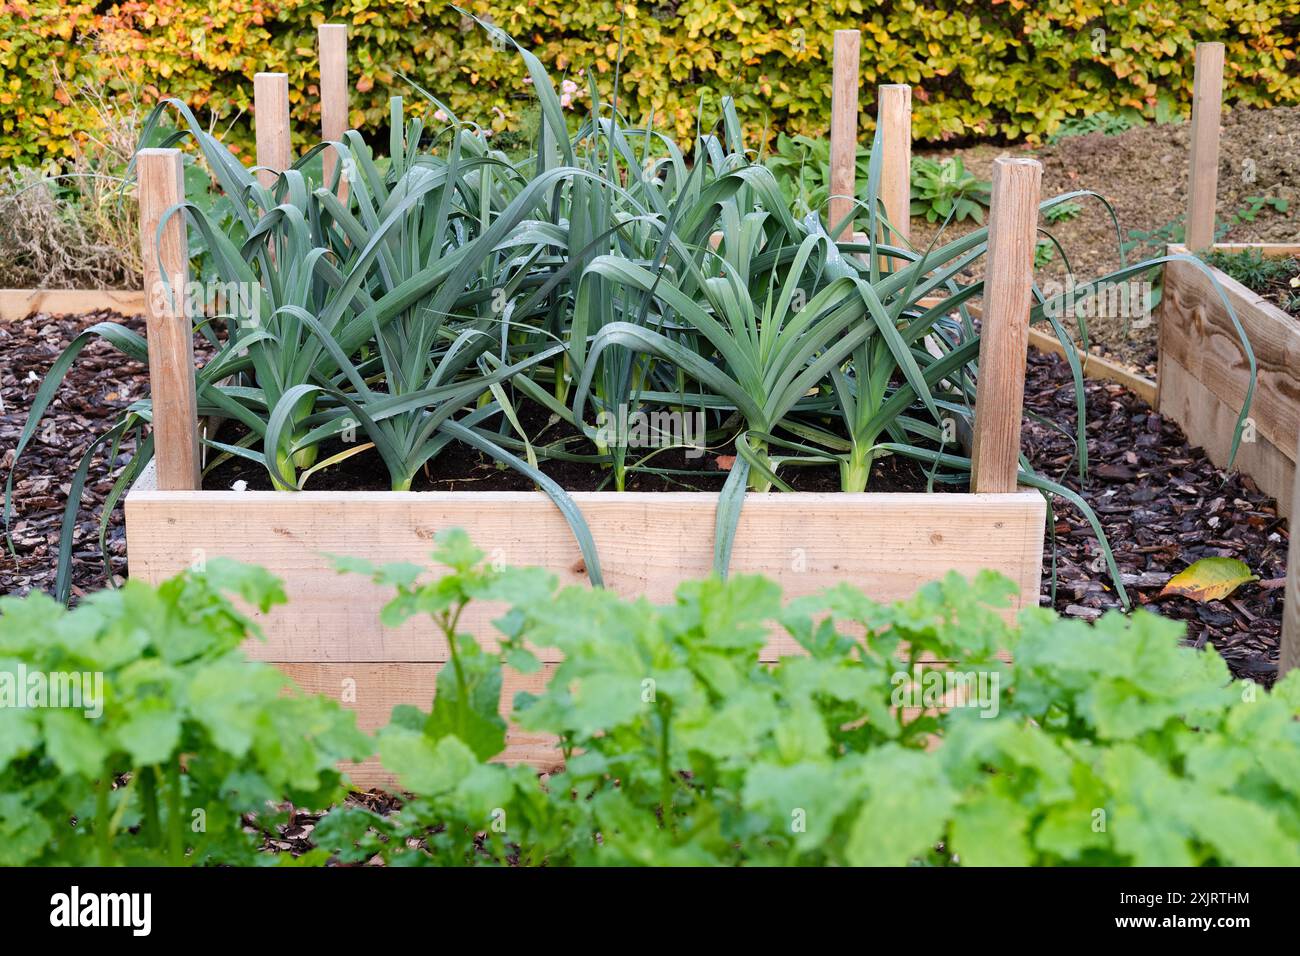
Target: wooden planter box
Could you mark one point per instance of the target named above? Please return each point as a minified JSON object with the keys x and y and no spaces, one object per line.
{"x":1203,"y":372}
{"x":329,"y":634}
{"x":330,"y":639}
{"x":16,"y":304}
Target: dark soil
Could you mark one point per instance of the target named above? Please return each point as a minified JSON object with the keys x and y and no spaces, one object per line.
{"x":1143,"y":174}
{"x":1163,"y":505}
{"x":461,"y":468}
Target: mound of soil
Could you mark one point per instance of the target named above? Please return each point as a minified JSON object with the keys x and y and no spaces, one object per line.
{"x":1142,"y":173}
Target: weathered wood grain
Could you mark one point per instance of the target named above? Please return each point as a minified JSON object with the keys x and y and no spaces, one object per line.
{"x":1004,"y":337}
{"x":1203,"y":157}
{"x":889,"y":544}
{"x":373,"y":690}
{"x":894,"y":119}
{"x":271,"y":125}
{"x":17,"y":304}
{"x":844,"y":128}
{"x":1270,"y":250}
{"x":1204,"y":373}
{"x":165,"y":253}
{"x":1289,"y":657}
{"x":1208,"y":422}
{"x":333,"y":45}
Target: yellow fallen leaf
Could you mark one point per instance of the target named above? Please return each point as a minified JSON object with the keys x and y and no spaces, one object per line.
{"x":1209,"y":579}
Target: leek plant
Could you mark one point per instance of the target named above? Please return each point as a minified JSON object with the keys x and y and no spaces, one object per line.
{"x":450,"y":289}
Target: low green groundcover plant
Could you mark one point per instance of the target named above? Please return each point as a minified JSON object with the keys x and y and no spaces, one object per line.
{"x":1105,"y":744}
{"x":134,"y":731}
{"x":1276,"y":277}
{"x":1109,"y":744}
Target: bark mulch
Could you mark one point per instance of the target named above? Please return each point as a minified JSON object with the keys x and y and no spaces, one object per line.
{"x":100,"y":384}
{"x":1163,"y":505}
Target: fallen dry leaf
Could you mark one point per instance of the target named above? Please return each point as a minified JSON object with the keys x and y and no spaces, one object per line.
{"x":1209,"y":579}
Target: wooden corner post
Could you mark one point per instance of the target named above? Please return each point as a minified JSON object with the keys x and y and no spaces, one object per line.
{"x":1004,"y":335}
{"x":894,"y":118}
{"x":1289,"y":658}
{"x":271,"y":120}
{"x":1203,"y":161}
{"x":844,"y":129}
{"x":332,"y":40}
{"x":161,"y":185}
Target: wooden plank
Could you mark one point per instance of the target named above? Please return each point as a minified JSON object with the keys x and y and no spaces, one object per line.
{"x":1196,"y":332}
{"x":1099,"y":368}
{"x":1208,"y":422}
{"x":373,"y":690}
{"x":889,"y":544}
{"x":333,"y":43}
{"x":1203,"y":157}
{"x":1289,"y":656}
{"x":1270,"y":250}
{"x":161,"y":186}
{"x":271,"y":119}
{"x":1004,"y":334}
{"x":844,"y":129}
{"x":894,"y":118}
{"x":17,"y":304}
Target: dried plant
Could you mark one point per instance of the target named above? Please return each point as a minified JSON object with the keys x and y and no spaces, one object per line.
{"x":77,"y":226}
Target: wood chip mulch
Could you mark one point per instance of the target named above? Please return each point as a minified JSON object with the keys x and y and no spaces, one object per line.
{"x":99,"y":385}
{"x":1163,"y":505}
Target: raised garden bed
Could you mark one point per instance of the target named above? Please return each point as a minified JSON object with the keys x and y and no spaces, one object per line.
{"x":649,"y":542}
{"x":1205,"y":371}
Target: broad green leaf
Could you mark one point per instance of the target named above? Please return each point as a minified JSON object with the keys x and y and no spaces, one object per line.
{"x":151,"y":734}
{"x":75,"y":743}
{"x":905,"y":812}
{"x":990,"y":831}
{"x":423,"y":764}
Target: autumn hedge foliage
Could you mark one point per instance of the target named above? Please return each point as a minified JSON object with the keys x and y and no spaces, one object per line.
{"x":983,"y":68}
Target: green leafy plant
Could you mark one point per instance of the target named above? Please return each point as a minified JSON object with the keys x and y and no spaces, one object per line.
{"x":1254,"y":205}
{"x":1064,"y":212}
{"x":939,"y":188}
{"x":1251,"y":267}
{"x":943,"y":191}
{"x":1105,"y":744}
{"x":802,"y":167}
{"x":1044,"y":253}
{"x":134,"y":731}
{"x":1111,"y":124}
